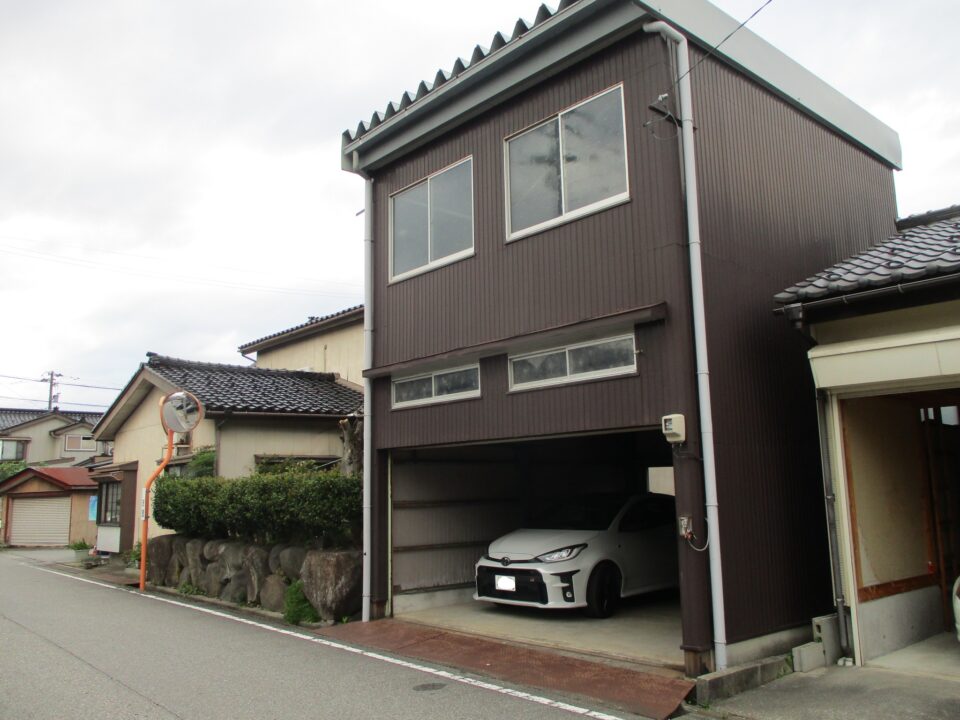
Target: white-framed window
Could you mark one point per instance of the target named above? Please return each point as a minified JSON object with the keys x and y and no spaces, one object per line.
{"x":439,"y":386}
{"x":12,"y":450}
{"x":606,"y":357}
{"x":431,"y":222}
{"x":84,"y":443}
{"x":571,"y":165}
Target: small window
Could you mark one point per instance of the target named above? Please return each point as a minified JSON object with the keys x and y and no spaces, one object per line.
{"x":81,"y":442}
{"x":432,"y":222}
{"x":569,"y":166}
{"x":440,"y":386}
{"x":110,"y":503}
{"x":584,"y":361}
{"x":12,"y":450}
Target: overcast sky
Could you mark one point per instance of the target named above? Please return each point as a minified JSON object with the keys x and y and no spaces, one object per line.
{"x":170,"y":174}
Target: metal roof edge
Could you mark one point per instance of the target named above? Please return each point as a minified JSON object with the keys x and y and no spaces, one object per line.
{"x":585,"y":27}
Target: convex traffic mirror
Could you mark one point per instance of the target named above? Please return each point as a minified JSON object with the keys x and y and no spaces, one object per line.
{"x":180,"y":412}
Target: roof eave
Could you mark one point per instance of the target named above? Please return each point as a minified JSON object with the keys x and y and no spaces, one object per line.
{"x":129,"y":399}
{"x":586,"y":27}
{"x":354,"y":316}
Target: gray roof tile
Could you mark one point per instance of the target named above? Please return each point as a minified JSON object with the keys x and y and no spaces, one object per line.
{"x":9,"y":417}
{"x":312,"y":321}
{"x":927,"y":246}
{"x":237,"y":388}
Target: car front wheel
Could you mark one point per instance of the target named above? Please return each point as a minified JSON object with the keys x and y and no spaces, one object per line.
{"x":603,"y":591}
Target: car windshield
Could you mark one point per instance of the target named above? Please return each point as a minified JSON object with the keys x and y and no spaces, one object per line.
{"x":590,"y":512}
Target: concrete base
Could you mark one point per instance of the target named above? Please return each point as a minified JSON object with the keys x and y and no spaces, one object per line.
{"x":733,"y":681}
{"x":809,"y":656}
{"x":414,"y":602}
{"x":895,"y":622}
{"x":779,"y":643}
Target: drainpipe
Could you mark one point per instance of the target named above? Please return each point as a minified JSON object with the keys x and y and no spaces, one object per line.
{"x":831,"y":504}
{"x":367,"y":392}
{"x":700,"y":334}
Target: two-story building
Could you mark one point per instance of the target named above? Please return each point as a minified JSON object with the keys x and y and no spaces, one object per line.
{"x":574,"y":233}
{"x":49,"y":437}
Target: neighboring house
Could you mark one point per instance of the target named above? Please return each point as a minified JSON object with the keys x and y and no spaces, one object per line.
{"x":253,"y":415}
{"x":48,"y":506}
{"x":49,"y":437}
{"x":533,"y":316}
{"x":886,"y":363}
{"x":332,"y":343}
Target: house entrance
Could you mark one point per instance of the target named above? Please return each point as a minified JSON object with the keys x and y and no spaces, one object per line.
{"x":449,"y":504}
{"x":902,"y":462}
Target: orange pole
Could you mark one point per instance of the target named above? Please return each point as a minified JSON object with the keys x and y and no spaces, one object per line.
{"x":146,"y":509}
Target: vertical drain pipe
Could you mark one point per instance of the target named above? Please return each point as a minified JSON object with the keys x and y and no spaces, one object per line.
{"x":367,"y":393}
{"x":700,"y":334}
{"x":830,"y":500}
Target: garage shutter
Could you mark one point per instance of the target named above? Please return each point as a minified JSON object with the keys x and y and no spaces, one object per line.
{"x":40,"y":521}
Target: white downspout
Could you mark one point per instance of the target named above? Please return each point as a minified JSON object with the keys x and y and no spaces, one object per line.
{"x":700,"y":334}
{"x":367,"y":391}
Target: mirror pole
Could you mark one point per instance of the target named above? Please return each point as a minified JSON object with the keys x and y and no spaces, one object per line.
{"x":145,"y":509}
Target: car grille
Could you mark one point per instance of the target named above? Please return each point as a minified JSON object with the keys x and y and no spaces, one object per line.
{"x":530,"y":586}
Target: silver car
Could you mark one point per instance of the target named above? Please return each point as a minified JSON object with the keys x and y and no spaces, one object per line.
{"x":587,"y":552}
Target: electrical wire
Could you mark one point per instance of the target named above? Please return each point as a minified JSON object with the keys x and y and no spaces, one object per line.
{"x":92,"y":387}
{"x":45,"y":400}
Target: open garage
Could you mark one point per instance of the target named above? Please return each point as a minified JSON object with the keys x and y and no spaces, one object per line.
{"x":449,"y":504}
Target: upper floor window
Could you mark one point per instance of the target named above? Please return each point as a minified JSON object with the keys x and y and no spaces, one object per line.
{"x":12,"y":450}
{"x":80,"y":442}
{"x":431,"y":223}
{"x":569,"y":166}
{"x":584,"y":361}
{"x":440,"y":386}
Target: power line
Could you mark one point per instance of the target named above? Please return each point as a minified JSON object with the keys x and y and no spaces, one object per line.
{"x":11,"y":397}
{"x":92,"y":387}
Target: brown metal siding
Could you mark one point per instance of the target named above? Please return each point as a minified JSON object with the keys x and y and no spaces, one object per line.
{"x":613,"y":260}
{"x":781,"y":198}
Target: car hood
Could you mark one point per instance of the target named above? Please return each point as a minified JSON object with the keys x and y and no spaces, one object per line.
{"x":528,"y":544}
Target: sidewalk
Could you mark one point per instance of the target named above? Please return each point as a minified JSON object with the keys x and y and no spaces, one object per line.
{"x":843,"y":693}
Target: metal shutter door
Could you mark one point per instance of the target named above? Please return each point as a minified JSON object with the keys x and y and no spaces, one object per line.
{"x":40,"y":521}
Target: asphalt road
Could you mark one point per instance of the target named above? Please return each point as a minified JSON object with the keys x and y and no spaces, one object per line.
{"x":74,"y":649}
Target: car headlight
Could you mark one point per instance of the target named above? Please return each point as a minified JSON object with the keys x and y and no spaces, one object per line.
{"x":567,"y":553}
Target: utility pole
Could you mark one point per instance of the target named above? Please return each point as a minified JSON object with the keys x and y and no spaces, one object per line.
{"x":51,"y":377}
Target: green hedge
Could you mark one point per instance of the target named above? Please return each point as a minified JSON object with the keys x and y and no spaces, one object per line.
{"x":292,"y":506}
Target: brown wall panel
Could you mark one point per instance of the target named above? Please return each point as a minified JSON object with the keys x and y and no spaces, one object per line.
{"x":781,"y":198}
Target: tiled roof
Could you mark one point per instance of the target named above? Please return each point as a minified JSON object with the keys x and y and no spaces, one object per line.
{"x":310,"y":323}
{"x":927,"y":246}
{"x":461,"y":65}
{"x":73,"y":478}
{"x":9,"y":417}
{"x":239,"y":388}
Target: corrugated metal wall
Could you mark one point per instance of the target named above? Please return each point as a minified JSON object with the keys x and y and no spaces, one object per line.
{"x":781,"y":198}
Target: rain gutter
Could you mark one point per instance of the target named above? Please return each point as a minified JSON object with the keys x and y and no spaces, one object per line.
{"x":700,"y":334}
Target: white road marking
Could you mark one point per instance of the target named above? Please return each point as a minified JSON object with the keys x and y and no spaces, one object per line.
{"x":447,"y":675}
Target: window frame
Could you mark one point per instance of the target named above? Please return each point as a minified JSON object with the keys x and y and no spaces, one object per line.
{"x":572,"y":215}
{"x":447,"y":259}
{"x":572,"y":377}
{"x":66,"y":443}
{"x":21,"y":444}
{"x":434,"y":398}
{"x":103,"y":506}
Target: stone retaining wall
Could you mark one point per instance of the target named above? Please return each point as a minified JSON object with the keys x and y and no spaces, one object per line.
{"x":242,"y":572}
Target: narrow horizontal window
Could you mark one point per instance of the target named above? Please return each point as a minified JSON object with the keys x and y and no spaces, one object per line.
{"x":440,"y":386}
{"x":569,"y":166}
{"x":584,"y":361}
{"x":432,"y":222}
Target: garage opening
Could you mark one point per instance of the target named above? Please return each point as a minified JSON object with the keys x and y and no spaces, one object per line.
{"x":449,"y":504}
{"x":903,"y":484}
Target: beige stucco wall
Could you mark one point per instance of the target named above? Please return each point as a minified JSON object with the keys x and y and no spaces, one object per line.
{"x":44,"y":447}
{"x":142,"y":439}
{"x":884,"y":452}
{"x":241,"y":440}
{"x":338,"y":351}
{"x":925,"y":317}
{"x":80,"y":527}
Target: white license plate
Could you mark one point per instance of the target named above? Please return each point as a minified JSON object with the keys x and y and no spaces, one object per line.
{"x":506,"y":582}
